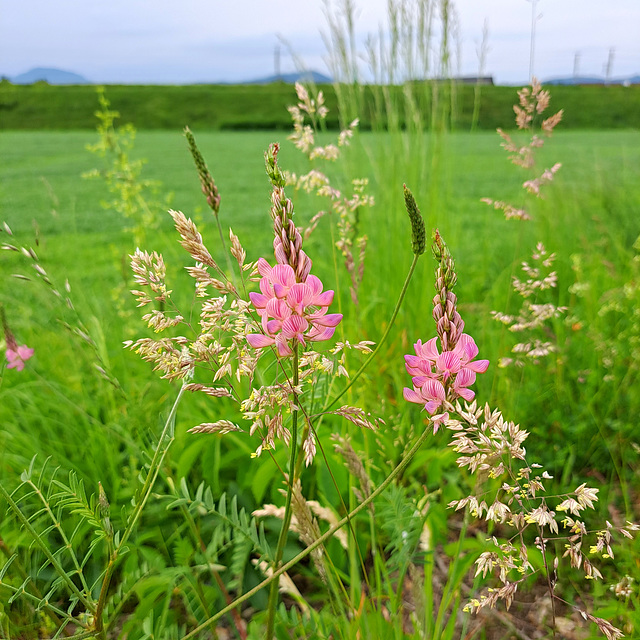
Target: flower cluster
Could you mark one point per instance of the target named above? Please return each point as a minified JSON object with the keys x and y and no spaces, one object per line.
{"x":291,"y":310}
{"x":441,"y":377}
{"x":16,"y":355}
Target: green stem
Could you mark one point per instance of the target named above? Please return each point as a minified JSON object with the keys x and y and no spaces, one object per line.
{"x":154,"y":469}
{"x":447,"y":596}
{"x":321,"y":540}
{"x":293,"y":473}
{"x":374,"y":353}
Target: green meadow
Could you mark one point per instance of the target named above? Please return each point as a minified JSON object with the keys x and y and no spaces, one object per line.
{"x":580,"y":403}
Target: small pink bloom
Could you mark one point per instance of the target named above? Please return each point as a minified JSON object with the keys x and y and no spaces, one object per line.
{"x":431,"y":394}
{"x":468,"y":350}
{"x":18,"y":356}
{"x":436,"y":374}
{"x":291,"y":310}
{"x":464,"y":379}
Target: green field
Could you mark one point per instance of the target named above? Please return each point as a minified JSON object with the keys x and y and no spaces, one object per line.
{"x":580,"y":404}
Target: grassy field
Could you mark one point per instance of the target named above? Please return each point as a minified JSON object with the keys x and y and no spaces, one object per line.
{"x":41,"y":106}
{"x":82,"y":241}
{"x":581,"y":404}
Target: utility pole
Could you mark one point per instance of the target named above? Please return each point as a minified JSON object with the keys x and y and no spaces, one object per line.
{"x":276,"y":62}
{"x":609,"y":66}
{"x":576,"y":66}
{"x":534,"y":20}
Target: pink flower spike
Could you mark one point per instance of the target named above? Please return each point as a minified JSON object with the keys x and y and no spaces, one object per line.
{"x":18,"y":356}
{"x":292,"y":305}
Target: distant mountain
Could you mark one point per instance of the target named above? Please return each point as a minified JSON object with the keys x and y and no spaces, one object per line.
{"x":291,"y":78}
{"x":52,"y":76}
{"x":593,"y":80}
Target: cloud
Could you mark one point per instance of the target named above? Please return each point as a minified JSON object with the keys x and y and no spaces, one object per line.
{"x":209,"y":40}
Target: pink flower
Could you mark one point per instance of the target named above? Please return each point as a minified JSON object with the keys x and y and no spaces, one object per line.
{"x":431,"y":394}
{"x":18,"y":356}
{"x":435,"y":374}
{"x":291,"y":311}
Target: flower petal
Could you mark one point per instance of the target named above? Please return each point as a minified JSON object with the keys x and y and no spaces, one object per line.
{"x":315,"y":283}
{"x":283,"y":347}
{"x":318,"y":336}
{"x":411,"y":396}
{"x":479,"y":366}
{"x":448,"y":362}
{"x":465,"y":393}
{"x":25,"y":352}
{"x":329,"y":320}
{"x":259,"y":301}
{"x":428,"y":351}
{"x":293,"y":326}
{"x":264,"y":268}
{"x":258,"y":340}
{"x":465,"y":377}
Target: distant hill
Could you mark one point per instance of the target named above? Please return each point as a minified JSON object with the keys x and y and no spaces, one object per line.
{"x":291,"y":78}
{"x":51,"y":76}
{"x":582,"y":80}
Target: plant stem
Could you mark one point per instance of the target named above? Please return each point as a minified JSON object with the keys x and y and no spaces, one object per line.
{"x":321,"y":540}
{"x":451,"y":582}
{"x":286,"y":521}
{"x":154,"y":468}
{"x":374,"y":353}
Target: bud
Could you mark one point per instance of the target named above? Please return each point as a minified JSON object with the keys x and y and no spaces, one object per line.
{"x":103,"y":510}
{"x":418,"y":238}
{"x":449,"y":324}
{"x":271,"y":162}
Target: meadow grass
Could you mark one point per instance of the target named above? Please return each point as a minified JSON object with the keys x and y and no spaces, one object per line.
{"x":88,"y":426}
{"x":84,"y":242}
{"x":238,"y":107}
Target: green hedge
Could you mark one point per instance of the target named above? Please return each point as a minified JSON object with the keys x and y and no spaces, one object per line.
{"x":41,"y":106}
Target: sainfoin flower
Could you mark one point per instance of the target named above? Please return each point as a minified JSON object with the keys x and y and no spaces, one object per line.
{"x":291,"y":311}
{"x":18,"y":356}
{"x":439,"y":377}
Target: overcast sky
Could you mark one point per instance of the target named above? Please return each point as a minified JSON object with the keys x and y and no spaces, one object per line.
{"x":186,"y":41}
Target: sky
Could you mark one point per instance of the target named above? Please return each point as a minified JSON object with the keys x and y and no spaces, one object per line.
{"x":170,"y":42}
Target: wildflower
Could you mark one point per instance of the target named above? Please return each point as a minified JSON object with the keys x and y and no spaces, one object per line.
{"x":458,"y":367}
{"x":291,"y":310}
{"x":18,"y":356}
